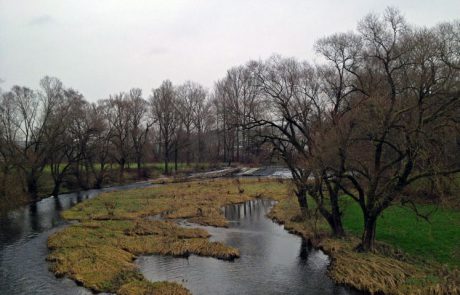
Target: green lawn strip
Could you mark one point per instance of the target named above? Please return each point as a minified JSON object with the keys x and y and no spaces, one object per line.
{"x":438,"y":239}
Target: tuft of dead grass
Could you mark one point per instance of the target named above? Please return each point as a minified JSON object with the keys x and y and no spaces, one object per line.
{"x":156,"y":288}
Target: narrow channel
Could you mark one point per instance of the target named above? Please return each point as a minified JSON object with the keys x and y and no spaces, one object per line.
{"x":272,"y":260}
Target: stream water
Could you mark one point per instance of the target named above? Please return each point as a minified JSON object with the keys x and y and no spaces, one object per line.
{"x":23,"y":236}
{"x":272,"y":261}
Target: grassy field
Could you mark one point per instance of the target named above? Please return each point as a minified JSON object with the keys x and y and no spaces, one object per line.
{"x":437,"y":239}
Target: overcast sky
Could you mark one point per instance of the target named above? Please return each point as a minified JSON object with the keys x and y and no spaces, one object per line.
{"x":103,"y":47}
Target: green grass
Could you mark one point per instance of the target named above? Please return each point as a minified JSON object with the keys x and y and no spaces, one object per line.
{"x":155,"y":165}
{"x":154,"y":170}
{"x":46,"y":183}
{"x":399,"y":226}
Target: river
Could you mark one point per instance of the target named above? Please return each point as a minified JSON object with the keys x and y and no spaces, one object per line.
{"x":23,"y":250}
{"x":272,"y":260}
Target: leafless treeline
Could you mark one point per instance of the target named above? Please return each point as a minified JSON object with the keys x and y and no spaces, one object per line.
{"x":380,"y":112}
{"x":378,"y":115}
{"x":56,"y":129}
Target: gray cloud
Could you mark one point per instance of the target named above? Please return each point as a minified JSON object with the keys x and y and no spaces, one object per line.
{"x":159,"y":50}
{"x":104,"y":46}
{"x":41,"y":20}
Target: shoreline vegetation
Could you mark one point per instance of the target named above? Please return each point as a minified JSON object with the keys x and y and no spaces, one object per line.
{"x":152,"y":172}
{"x":115,"y":228}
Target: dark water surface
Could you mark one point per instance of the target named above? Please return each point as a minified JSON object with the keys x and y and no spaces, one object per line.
{"x":23,"y":236}
{"x":272,"y":260}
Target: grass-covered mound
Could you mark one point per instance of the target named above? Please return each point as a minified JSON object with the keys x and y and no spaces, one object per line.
{"x":114,"y":228}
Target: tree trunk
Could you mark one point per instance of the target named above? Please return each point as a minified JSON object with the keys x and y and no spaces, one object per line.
{"x":99,"y":180}
{"x":334,"y":223}
{"x":187,"y":144}
{"x":237,"y":145}
{"x":200,"y":146}
{"x":336,"y":217}
{"x":166,"y":158}
{"x":336,"y":226}
{"x":4,"y":177}
{"x":140,"y":173}
{"x":57,"y":187}
{"x":301,"y":194}
{"x":122,"y":168}
{"x":368,"y":238}
{"x":176,"y":151}
{"x":32,"y":185}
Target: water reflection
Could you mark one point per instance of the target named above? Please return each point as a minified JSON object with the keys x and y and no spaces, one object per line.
{"x":272,"y":260}
{"x":305,"y":249}
{"x":23,"y":250}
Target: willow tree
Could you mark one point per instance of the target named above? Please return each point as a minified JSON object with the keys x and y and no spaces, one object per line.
{"x":402,"y":123}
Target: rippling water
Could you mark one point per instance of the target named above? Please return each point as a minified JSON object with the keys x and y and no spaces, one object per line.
{"x":23,"y":250}
{"x":272,"y":260}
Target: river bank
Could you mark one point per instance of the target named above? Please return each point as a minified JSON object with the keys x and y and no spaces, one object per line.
{"x":122,"y":214}
{"x":150,"y":172}
{"x":395,"y":272}
{"x":388,"y":270}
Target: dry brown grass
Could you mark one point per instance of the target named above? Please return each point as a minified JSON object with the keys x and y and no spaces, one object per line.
{"x":156,"y":288}
{"x":114,"y":229}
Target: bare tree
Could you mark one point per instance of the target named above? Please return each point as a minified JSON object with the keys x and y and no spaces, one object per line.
{"x":119,"y":117}
{"x":63,"y":150}
{"x":412,"y":98}
{"x":240,"y":92}
{"x":287,"y":117}
{"x":96,"y":138}
{"x":139,"y":125}
{"x":164,"y":108}
{"x":8,"y":139}
{"x":186,"y":101}
{"x":34,"y":114}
